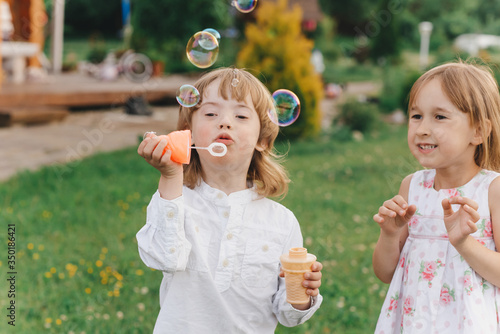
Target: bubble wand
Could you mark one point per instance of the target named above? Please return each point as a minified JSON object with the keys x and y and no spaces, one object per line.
{"x":179,"y":143}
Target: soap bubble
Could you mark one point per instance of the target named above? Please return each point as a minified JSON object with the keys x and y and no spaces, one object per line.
{"x":202,"y":49}
{"x":213,"y":32}
{"x":137,"y":67}
{"x":187,"y":96}
{"x":244,"y":6}
{"x":287,"y":107}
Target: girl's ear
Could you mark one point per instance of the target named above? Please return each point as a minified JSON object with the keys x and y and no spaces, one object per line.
{"x":262,"y":145}
{"x":482,"y":131}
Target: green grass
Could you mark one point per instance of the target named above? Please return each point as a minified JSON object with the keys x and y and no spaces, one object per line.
{"x":77,"y":261}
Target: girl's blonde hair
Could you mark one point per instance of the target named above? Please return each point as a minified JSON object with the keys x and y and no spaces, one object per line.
{"x":474,"y":91}
{"x":265,"y":172}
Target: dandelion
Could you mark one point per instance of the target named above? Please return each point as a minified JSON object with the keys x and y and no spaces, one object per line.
{"x":144,"y":290}
{"x":41,"y":247}
{"x":141,"y":306}
{"x":90,"y":270}
{"x":102,"y":257}
{"x":104,"y":250}
{"x":31,"y":246}
{"x":139,"y":272}
{"x":61,"y":276}
{"x":58,"y":321}
{"x":63,"y":317}
{"x":105,"y":316}
{"x":82,"y":262}
{"x":110,"y":293}
{"x":53,"y":270}
{"x":119,"y":315}
{"x":36,"y":256}
{"x":48,"y":320}
{"x":88,"y":291}
{"x":46,"y":214}
{"x":0,"y":263}
{"x":116,"y":293}
{"x":341,"y":302}
{"x":98,"y":263}
{"x":48,"y":274}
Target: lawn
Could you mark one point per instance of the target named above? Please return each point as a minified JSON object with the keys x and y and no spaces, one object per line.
{"x":78,"y":269}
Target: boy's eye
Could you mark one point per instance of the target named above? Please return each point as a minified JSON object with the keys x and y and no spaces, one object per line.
{"x":209,"y":114}
{"x":416,"y":116}
{"x":241,"y":116}
{"x":440,"y":117}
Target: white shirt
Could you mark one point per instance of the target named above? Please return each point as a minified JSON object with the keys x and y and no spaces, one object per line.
{"x":220,"y":260}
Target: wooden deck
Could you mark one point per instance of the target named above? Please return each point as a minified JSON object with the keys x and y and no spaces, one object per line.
{"x":51,"y":100}
{"x":76,"y":90}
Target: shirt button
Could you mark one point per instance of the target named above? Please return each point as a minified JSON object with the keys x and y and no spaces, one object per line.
{"x":197,"y":229}
{"x":172,"y":250}
{"x":229,"y":236}
{"x":219,"y":195}
{"x":265,"y":248}
{"x":170,"y":214}
{"x":226,"y":214}
{"x":225,"y":263}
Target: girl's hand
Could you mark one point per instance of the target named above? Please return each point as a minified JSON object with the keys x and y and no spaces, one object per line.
{"x":151,"y":149}
{"x":394,"y":214}
{"x":312,"y":281}
{"x":461,"y":223}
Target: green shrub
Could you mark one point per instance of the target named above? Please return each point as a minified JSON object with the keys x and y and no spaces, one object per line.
{"x":358,"y":116}
{"x":276,"y":48}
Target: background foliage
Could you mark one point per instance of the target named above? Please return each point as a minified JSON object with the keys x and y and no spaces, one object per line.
{"x":276,"y":49}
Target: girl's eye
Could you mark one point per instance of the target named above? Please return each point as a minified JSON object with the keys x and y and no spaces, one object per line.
{"x":416,"y":116}
{"x":440,"y":117}
{"x":209,"y":114}
{"x":241,"y":116}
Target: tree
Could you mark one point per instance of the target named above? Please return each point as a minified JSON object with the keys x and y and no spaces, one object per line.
{"x":165,"y":26}
{"x":276,"y":48}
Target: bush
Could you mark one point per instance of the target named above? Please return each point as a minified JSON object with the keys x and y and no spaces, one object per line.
{"x":276,"y":48}
{"x":358,"y":116}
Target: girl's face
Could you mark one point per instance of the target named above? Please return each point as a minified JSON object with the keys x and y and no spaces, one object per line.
{"x":439,"y":134}
{"x":235,"y":124}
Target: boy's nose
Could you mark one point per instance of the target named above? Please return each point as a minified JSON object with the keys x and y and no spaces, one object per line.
{"x":224,"y":125}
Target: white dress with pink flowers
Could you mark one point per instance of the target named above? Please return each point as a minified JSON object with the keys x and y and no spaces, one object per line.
{"x":433,"y":289}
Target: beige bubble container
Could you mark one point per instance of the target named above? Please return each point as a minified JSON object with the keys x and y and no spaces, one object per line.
{"x":295,"y":264}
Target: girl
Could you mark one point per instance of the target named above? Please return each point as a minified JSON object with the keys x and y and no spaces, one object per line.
{"x":210,"y":227}
{"x":436,"y":246}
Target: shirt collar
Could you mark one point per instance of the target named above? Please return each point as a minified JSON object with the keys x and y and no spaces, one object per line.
{"x":220,"y":198}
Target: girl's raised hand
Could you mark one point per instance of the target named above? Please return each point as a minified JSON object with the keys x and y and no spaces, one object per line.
{"x":394,"y":214}
{"x":460,"y":223}
{"x":151,"y":149}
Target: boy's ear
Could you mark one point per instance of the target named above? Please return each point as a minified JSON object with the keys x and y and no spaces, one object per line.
{"x":481,"y":130}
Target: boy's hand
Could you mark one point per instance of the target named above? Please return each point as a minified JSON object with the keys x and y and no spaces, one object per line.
{"x":151,"y":149}
{"x":461,"y":223}
{"x":394,"y":214}
{"x":312,"y":281}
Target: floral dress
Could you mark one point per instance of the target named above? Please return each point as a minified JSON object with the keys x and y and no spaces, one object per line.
{"x":434,"y":290}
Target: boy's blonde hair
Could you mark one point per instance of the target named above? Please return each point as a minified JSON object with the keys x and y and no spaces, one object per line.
{"x":265,"y":171}
{"x":474,"y":91}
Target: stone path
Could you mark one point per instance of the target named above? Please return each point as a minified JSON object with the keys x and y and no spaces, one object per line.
{"x":87,"y":132}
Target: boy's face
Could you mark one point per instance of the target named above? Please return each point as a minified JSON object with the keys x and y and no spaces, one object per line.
{"x":235,"y":124}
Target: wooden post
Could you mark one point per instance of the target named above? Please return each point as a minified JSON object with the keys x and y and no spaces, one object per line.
{"x":57,"y":35}
{"x":38,"y":19}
